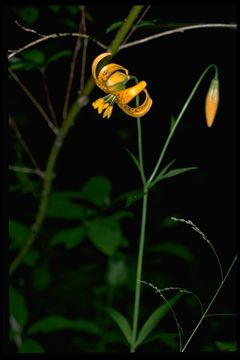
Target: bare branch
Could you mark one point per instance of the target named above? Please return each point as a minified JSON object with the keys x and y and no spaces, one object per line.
{"x":28,"y":30}
{"x":178,"y":30}
{"x":26,"y":170}
{"x":54,"y":36}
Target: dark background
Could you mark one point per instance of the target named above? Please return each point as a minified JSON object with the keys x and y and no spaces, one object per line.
{"x":94,"y":146}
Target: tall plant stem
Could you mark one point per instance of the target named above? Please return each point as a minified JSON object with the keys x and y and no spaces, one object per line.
{"x":139,"y":271}
{"x":63,"y":131}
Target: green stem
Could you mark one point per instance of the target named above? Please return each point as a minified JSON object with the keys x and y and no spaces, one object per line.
{"x":127,"y":25}
{"x":139,"y":271}
{"x":210,"y":304}
{"x":66,"y":125}
{"x":178,"y":120}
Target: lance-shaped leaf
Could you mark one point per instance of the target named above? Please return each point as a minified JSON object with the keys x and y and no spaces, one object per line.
{"x":154,"y":319}
{"x":172,"y":173}
{"x":122,"y":322}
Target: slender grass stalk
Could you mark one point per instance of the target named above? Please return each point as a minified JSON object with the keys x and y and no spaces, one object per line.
{"x":178,"y":120}
{"x":210,"y":304}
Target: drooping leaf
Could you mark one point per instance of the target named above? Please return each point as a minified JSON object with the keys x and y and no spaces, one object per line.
{"x":57,"y":323}
{"x":18,"y":306}
{"x":226,"y":345}
{"x":69,"y":237}
{"x":134,"y":196}
{"x":147,"y":23}
{"x":135,"y":160}
{"x":154,"y":319}
{"x":122,"y":322}
{"x":58,"y":55}
{"x":97,"y":190}
{"x":61,"y":206}
{"x":31,"y":346}
{"x":106,"y":234}
{"x":18,"y":233}
{"x":114,"y":26}
{"x":176,"y":249}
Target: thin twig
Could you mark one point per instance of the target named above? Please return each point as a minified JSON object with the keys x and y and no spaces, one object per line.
{"x":28,"y":30}
{"x":13,"y":125}
{"x":71,"y":73}
{"x":54,"y":36}
{"x":178,"y":30}
{"x":135,"y":26}
{"x":34,"y":101}
{"x":84,"y":53}
{"x":49,"y":101}
{"x":26,"y":170}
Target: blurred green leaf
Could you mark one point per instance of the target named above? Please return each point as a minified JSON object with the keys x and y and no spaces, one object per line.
{"x":58,"y":55}
{"x":173,"y":121}
{"x":18,"y":233}
{"x":18,"y":307}
{"x":58,"y":323}
{"x":226,"y":345}
{"x":134,"y":196}
{"x":55,"y":8}
{"x":97,"y":190}
{"x":73,"y":9}
{"x":106,"y":234}
{"x":114,"y":26}
{"x":154,"y":319}
{"x":41,"y":278}
{"x":122,"y":322}
{"x":31,"y":257}
{"x":31,"y":346}
{"x":117,"y":272}
{"x":173,"y":248}
{"x":61,"y":206}
{"x":69,"y":237}
{"x":29,"y":14}
{"x":147,"y":23}
{"x":36,"y":57}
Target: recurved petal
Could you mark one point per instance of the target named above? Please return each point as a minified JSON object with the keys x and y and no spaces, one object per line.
{"x":96,"y":61}
{"x":108,"y":70}
{"x":116,"y":79}
{"x":125,"y":96}
{"x":138,"y":111}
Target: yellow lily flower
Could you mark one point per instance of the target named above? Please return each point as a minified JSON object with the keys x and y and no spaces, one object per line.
{"x":112,"y":79}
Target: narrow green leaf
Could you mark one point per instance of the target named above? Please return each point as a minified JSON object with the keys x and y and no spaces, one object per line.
{"x":133,"y":197}
{"x":31,"y":346}
{"x":164,"y":170}
{"x":114,"y":26}
{"x":135,"y":160}
{"x":122,"y":322}
{"x":154,"y":319}
{"x":69,"y":237}
{"x":173,"y":121}
{"x":172,"y":173}
{"x":18,"y":307}
{"x":58,"y":323}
